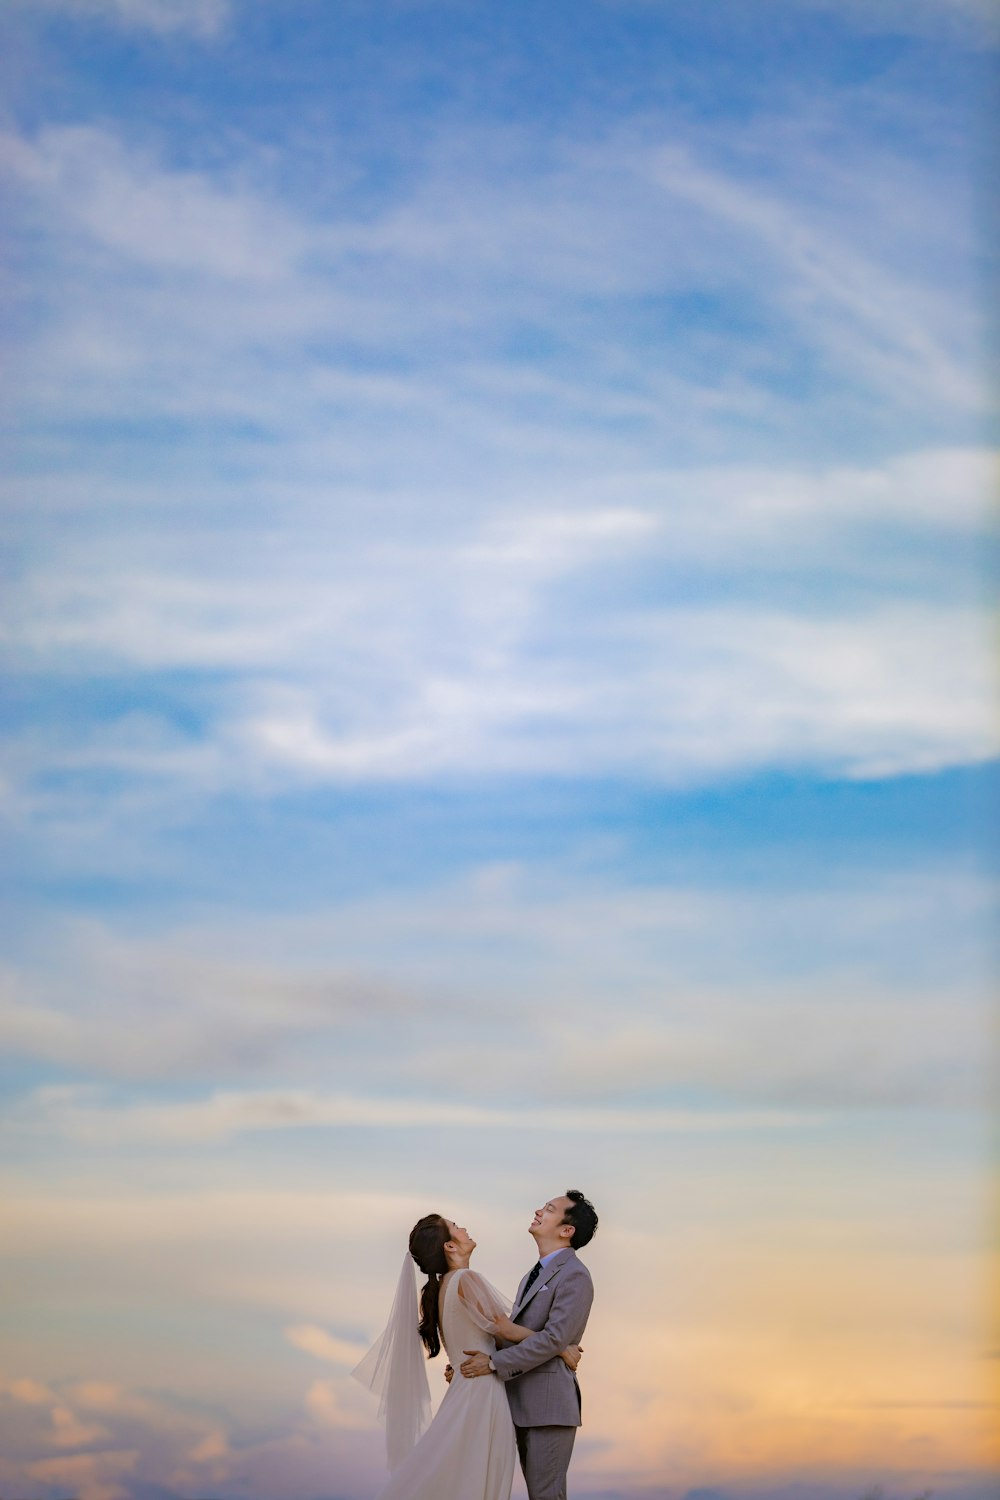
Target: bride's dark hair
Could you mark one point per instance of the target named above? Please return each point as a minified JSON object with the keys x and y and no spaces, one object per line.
{"x":427,"y":1242}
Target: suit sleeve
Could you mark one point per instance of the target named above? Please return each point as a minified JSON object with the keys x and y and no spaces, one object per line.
{"x":570,"y":1306}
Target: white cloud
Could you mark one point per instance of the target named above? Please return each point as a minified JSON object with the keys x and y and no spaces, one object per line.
{"x":323,"y":1345}
{"x":647,"y":213}
{"x":79,"y":1115}
{"x":92,"y":1476}
{"x":682,"y":695}
{"x":26,"y":1391}
{"x":357,"y":1024}
{"x":440,"y":626}
{"x":967,"y":21}
{"x":201,"y":18}
{"x":861,"y":315}
{"x":214,"y":1445}
{"x":201,"y":1209}
{"x":70,"y":1432}
{"x":324,"y":1403}
{"x":478,"y":652}
{"x":164,"y":221}
{"x":114,"y":1400}
{"x":201,"y":1011}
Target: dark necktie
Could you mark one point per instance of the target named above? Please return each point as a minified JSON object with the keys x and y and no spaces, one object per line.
{"x":533,"y":1275}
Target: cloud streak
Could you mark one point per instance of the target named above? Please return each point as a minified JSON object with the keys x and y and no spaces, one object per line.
{"x":419,"y":662}
{"x":73,"y":1112}
{"x":203,"y":19}
{"x":714,"y":1029}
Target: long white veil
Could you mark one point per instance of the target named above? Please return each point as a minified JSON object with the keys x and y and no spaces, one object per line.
{"x":395,"y":1370}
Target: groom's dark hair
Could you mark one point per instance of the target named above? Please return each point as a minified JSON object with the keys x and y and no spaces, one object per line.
{"x":581,"y":1214}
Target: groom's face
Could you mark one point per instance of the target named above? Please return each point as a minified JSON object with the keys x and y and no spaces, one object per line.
{"x":549,"y":1219}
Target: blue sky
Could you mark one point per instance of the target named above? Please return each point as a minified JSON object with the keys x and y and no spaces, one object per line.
{"x":500,"y":694}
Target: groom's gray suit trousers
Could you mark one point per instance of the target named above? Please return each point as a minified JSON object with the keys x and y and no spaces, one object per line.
{"x":545,"y":1453}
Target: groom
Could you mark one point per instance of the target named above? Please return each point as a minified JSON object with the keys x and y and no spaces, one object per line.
{"x":553,"y":1301}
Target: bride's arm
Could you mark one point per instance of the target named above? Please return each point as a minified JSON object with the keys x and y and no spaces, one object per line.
{"x":505,"y":1328}
{"x":487,"y":1310}
{"x":515,"y":1333}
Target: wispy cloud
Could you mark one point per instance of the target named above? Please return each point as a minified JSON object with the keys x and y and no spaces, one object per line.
{"x":972,"y":21}
{"x":360,"y":1022}
{"x":647,"y":214}
{"x":451,"y":683}
{"x":323,"y":1345}
{"x":199,"y":18}
{"x":201,"y":1011}
{"x":79,"y":1116}
{"x":465,"y":644}
{"x":415,"y":660}
{"x":856,"y":310}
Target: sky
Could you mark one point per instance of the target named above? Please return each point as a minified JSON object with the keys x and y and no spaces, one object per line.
{"x":499,"y":697}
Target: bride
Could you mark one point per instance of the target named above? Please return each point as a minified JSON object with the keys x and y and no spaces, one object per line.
{"x":467,"y":1452}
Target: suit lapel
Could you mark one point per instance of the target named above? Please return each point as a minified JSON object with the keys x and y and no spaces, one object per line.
{"x":545,"y":1278}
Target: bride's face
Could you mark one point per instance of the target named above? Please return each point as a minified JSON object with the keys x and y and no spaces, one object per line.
{"x":460,"y":1238}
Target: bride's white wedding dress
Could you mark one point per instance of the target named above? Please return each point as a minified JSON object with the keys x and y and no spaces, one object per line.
{"x":467,"y":1452}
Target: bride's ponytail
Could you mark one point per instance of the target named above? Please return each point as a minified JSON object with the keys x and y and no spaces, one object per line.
{"x":427,"y":1242}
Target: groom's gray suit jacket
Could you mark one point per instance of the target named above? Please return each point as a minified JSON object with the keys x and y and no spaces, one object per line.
{"x":541,"y":1388}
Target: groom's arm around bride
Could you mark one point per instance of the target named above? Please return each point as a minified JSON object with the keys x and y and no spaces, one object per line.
{"x":541,"y":1389}
{"x":556,"y":1311}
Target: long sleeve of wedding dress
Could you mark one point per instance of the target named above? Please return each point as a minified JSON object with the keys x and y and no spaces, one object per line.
{"x":480,"y":1301}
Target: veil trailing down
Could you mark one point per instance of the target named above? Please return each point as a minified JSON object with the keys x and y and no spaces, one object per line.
{"x":395,"y":1371}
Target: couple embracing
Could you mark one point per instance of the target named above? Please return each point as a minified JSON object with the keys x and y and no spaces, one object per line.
{"x":512,"y":1385}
